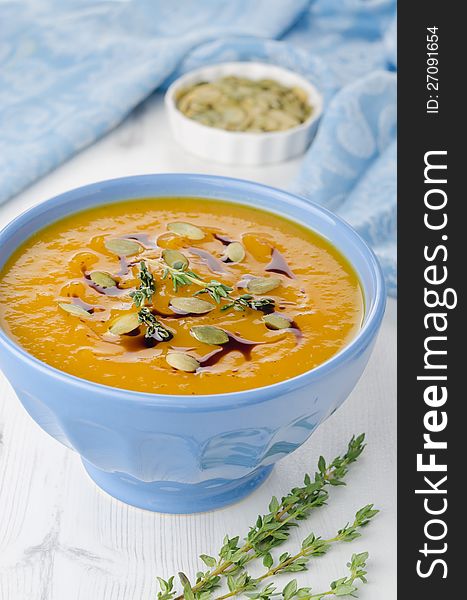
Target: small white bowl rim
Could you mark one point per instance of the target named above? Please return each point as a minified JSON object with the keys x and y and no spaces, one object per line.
{"x":180,"y":81}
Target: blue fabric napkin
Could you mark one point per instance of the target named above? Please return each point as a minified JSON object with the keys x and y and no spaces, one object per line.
{"x":351,"y":166}
{"x":71,"y":70}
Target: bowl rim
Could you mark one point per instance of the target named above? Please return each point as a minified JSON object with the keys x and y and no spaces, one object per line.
{"x":169,"y":100}
{"x":223,"y":400}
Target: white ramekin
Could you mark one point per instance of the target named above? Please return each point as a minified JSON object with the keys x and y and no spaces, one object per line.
{"x":238,"y":147}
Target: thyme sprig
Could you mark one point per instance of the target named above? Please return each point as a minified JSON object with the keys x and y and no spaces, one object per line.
{"x":216,"y":290}
{"x":181,"y":276}
{"x":154,"y":328}
{"x":312,"y":547}
{"x":247,"y":300}
{"x":273,"y":529}
{"x":338,"y":588}
{"x":142,"y":295}
{"x":147,"y":287}
{"x":343,"y":587}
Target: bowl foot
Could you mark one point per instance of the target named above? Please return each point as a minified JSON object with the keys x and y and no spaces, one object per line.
{"x":173,"y":497}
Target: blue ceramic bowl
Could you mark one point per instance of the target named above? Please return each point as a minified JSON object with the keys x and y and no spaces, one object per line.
{"x":184,"y":454}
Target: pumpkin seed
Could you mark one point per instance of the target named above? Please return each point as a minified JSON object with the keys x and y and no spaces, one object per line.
{"x":240,"y":104}
{"x":235,"y":252}
{"x":102,"y":279}
{"x":262,"y":285}
{"x":182,"y":362}
{"x":186,"y":230}
{"x":125,"y":324}
{"x":175,"y":259}
{"x":190,"y":305}
{"x":233,"y":117}
{"x":283,"y":120}
{"x":75,"y":310}
{"x":275,"y":321}
{"x":208,"y":334}
{"x":122,"y":247}
{"x":300,"y":93}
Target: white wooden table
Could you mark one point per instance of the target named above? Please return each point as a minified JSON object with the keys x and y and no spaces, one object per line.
{"x":61,"y":538}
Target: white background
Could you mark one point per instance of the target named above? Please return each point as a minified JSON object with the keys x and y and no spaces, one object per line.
{"x":61,"y":538}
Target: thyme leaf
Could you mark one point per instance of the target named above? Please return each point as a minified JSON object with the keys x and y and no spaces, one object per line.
{"x":147,"y":287}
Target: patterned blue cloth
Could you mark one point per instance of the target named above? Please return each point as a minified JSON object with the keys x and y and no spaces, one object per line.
{"x":351,"y":166}
{"x":70,"y":70}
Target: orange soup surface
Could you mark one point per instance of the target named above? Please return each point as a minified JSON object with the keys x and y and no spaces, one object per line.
{"x":180,"y":296}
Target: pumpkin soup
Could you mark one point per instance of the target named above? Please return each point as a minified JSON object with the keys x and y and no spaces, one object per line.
{"x":180,"y":296}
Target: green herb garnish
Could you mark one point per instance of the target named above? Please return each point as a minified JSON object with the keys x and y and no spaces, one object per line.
{"x":270,"y":531}
{"x":219,"y":292}
{"x":248,"y":301}
{"x":154,"y":328}
{"x":343,"y":587}
{"x":180,"y":276}
{"x":147,"y":287}
{"x":239,"y":581}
